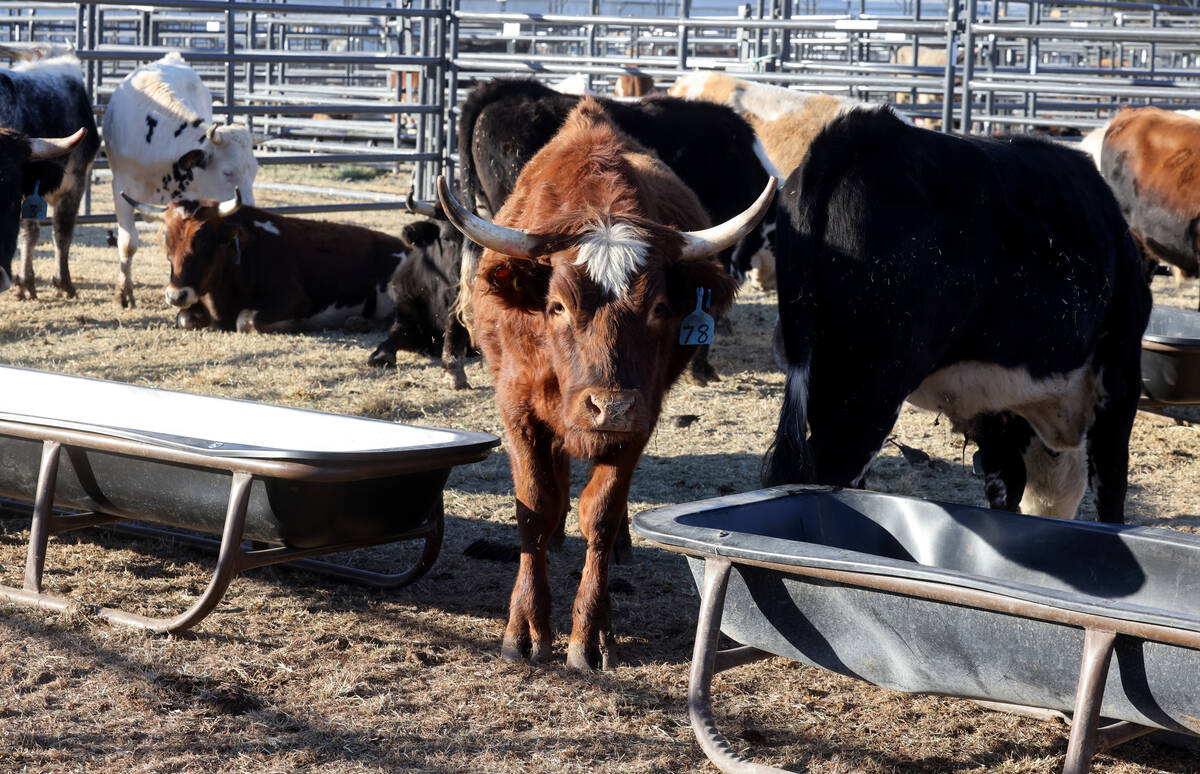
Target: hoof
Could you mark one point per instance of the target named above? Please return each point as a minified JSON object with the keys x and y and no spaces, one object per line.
{"x":26,"y":290}
{"x":382,"y":358}
{"x":516,"y":650}
{"x":64,"y":289}
{"x":703,"y":373}
{"x":459,"y":377}
{"x":125,"y":299}
{"x":586,"y":658}
{"x":623,"y":550}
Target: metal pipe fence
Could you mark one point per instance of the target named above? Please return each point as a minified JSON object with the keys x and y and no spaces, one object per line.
{"x":380,"y":82}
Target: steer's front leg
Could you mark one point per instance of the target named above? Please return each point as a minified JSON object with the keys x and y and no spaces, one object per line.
{"x":541,"y":477}
{"x":603,"y":508}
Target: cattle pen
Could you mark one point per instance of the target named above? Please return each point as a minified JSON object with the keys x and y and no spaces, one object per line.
{"x":379,"y":83}
{"x":293,"y":672}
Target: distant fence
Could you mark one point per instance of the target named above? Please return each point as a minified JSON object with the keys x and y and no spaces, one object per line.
{"x":380,"y":82}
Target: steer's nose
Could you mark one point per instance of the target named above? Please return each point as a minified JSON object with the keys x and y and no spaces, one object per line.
{"x":180,"y":296}
{"x":611,"y":409}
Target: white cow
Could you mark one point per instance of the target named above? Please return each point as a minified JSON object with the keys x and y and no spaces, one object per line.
{"x":162,"y":145}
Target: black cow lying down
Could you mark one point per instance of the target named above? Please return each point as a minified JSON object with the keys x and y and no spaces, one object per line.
{"x":993,"y":281}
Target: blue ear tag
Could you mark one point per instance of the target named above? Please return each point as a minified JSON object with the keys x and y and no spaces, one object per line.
{"x":697,"y":327}
{"x":34,"y":206}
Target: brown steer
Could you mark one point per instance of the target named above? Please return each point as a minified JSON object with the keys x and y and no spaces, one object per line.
{"x":579,"y":298}
{"x":1151,"y":160}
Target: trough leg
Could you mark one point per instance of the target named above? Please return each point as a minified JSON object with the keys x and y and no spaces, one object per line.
{"x":230,"y":561}
{"x":707,"y":661}
{"x":43,"y":504}
{"x":1097,"y":653}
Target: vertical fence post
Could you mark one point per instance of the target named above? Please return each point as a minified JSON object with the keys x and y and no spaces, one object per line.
{"x":450,"y":112}
{"x":422,"y":97}
{"x":685,"y":10}
{"x":952,"y":22}
{"x":989,"y":99}
{"x":968,"y":70}
{"x":785,"y":35}
{"x":251,"y":23}
{"x":230,"y":19}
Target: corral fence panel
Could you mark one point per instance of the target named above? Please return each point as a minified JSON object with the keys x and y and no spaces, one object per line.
{"x":379,"y":82}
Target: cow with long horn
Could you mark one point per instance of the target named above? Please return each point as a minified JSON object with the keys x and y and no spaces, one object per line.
{"x":587,"y":276}
{"x":21,"y":173}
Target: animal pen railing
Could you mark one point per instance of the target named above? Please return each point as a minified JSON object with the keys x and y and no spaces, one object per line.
{"x":379,"y":83}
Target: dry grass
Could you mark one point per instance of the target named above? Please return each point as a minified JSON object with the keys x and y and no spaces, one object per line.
{"x":297,"y":673}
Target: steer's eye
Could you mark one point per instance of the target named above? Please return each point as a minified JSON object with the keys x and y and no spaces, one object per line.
{"x":661,"y":310}
{"x":556,"y":308}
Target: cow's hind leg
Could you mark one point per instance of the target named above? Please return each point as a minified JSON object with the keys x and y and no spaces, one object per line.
{"x":66,"y":207}
{"x":1108,"y":444}
{"x":30,"y":233}
{"x":539,"y":467}
{"x":603,"y":511}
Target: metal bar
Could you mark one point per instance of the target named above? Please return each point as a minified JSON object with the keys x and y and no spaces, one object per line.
{"x":244,"y":5}
{"x":951,"y":57}
{"x":1093,"y":672}
{"x":816,"y":24}
{"x":685,"y":10}
{"x":230,"y":21}
{"x":39,"y":530}
{"x":968,"y":67}
{"x":230,"y":562}
{"x":282,"y":57}
{"x":704,"y":654}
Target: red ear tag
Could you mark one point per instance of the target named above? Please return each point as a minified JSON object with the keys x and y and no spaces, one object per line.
{"x":697,"y":327}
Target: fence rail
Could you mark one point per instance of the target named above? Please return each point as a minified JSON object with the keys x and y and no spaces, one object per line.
{"x":381,"y":83}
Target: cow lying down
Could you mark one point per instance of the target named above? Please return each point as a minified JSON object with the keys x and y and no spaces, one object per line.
{"x":236,"y":267}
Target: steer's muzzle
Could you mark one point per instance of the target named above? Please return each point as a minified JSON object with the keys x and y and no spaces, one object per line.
{"x":610,"y":410}
{"x":180,"y":296}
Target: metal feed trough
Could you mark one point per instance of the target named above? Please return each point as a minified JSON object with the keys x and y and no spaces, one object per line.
{"x":1097,"y":620}
{"x":380,"y":83}
{"x":295,"y":483}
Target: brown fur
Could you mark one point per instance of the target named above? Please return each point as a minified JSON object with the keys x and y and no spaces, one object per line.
{"x":786,"y":139}
{"x":1151,"y":157}
{"x":558,"y":347}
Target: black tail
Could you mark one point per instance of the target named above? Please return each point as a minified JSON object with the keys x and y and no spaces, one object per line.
{"x":790,"y":460}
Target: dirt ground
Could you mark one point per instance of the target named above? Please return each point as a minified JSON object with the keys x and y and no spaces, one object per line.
{"x":296,"y":672}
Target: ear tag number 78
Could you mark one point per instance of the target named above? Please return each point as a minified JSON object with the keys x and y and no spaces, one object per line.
{"x":697,"y":327}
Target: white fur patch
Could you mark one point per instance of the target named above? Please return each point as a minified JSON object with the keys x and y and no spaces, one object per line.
{"x":611,"y":253}
{"x":267,"y":226}
{"x":401,"y":257}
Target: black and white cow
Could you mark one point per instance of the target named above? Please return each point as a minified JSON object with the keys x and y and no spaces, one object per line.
{"x":991,"y":280}
{"x":45,"y":97}
{"x":424,"y":291}
{"x":162,"y":144}
{"x":22,"y":170}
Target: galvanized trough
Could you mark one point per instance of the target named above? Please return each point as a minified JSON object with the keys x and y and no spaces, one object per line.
{"x":1099,"y":621}
{"x":1171,"y":357}
{"x":295,"y":483}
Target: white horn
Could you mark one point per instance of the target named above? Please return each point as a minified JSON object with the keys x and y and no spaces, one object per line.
{"x":230,"y":206}
{"x":153,"y":211}
{"x":697,"y":244}
{"x":50,"y":147}
{"x":507,"y":241}
{"x":428,"y":209}
{"x":213,"y":137}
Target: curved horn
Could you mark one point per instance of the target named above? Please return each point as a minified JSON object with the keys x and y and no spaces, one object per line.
{"x":508,"y":241}
{"x":153,"y":211}
{"x":49,"y":147}
{"x":697,"y":244}
{"x":230,"y":206}
{"x":213,"y":137}
{"x":428,"y":209}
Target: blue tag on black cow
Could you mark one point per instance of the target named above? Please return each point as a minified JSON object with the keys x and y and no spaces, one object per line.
{"x":34,"y":206}
{"x":697,"y":327}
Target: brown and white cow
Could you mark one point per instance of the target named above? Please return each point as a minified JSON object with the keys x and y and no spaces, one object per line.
{"x":1151,"y":160}
{"x":236,"y":267}
{"x":588,"y":272}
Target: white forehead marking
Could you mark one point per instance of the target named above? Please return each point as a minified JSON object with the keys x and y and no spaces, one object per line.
{"x":267,"y":226}
{"x":611,"y":253}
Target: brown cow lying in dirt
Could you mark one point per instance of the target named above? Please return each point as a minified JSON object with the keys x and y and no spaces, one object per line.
{"x":579,"y":298}
{"x":237,"y":267}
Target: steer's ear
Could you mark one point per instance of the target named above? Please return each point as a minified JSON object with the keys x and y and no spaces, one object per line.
{"x":684,"y":277}
{"x":519,"y":282}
